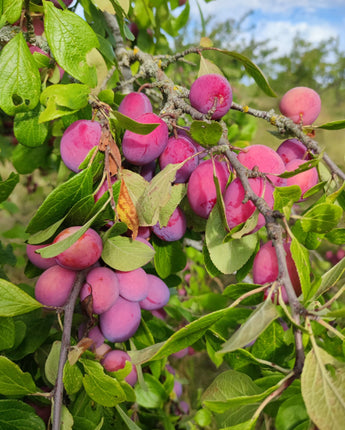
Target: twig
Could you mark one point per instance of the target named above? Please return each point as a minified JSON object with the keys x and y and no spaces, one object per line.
{"x":65,"y":343}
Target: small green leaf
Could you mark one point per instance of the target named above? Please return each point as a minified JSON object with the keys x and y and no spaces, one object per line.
{"x":259,"y":320}
{"x":206,"y":67}
{"x":59,"y":201}
{"x":14,"y":301}
{"x":129,"y":423}
{"x":7,"y":186}
{"x":169,"y":257}
{"x":323,"y":389}
{"x":72,"y":378}
{"x":27,"y":129}
{"x":70,"y":39}
{"x":150,"y":394}
{"x":7,"y":333}
{"x":25,"y":159}
{"x":333,"y":125}
{"x":61,"y":100}
{"x":132,"y":125}
{"x":52,"y":362}
{"x":17,"y":415}
{"x":301,"y":258}
{"x":10,"y":11}
{"x":206,"y":133}
{"x":336,"y":236}
{"x":291,"y":413}
{"x":321,"y":218}
{"x":125,"y":254}
{"x":253,"y":70}
{"x":331,"y":277}
{"x":285,"y":197}
{"x":103,"y":389}
{"x":20,"y":79}
{"x":14,"y":382}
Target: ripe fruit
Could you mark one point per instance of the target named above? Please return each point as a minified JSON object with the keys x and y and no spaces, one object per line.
{"x":305,"y":180}
{"x":121,"y":321}
{"x":265,"y":267}
{"x":83,"y":253}
{"x":175,"y":229}
{"x":115,"y":360}
{"x":103,"y":285}
{"x":211,"y":90}
{"x":291,"y":149}
{"x":133,"y":285}
{"x":37,"y":259}
{"x":158,"y":294}
{"x":177,"y":150}
{"x":135,"y":104}
{"x":301,"y":104}
{"x":265,"y":159}
{"x":56,"y":3}
{"x":54,"y":286}
{"x":201,"y":191}
{"x":77,"y":141}
{"x":236,"y":211}
{"x":142,"y":149}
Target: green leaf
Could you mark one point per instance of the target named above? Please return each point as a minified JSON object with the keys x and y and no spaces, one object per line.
{"x":232,"y":388}
{"x":7,"y":186}
{"x":52,"y":362}
{"x":285,"y":197}
{"x":44,"y":235}
{"x":25,"y":159}
{"x":253,"y":70}
{"x":333,"y":125}
{"x":323,"y":389}
{"x":331,"y":277}
{"x":206,"y":133}
{"x":321,"y":218}
{"x":206,"y":67}
{"x":151,"y":393}
{"x":177,"y":192}
{"x":59,"y":201}
{"x":184,"y":337}
{"x":70,"y":39}
{"x":227,"y":256}
{"x":235,"y":291}
{"x":7,"y":333}
{"x":129,"y":423}
{"x":125,"y":254}
{"x":258,"y":321}
{"x":336,"y":236}
{"x":27,"y":129}
{"x":169,"y":257}
{"x":301,"y":258}
{"x":14,"y":382}
{"x":130,"y":124}
{"x":61,"y":100}
{"x":10,"y":10}
{"x":20,"y":83}
{"x":14,"y":301}
{"x":17,"y":415}
{"x":302,"y":168}
{"x":72,"y":378}
{"x":292,"y":413}
{"x":103,"y":389}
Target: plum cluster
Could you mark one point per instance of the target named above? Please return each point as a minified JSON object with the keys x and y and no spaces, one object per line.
{"x":115,"y":297}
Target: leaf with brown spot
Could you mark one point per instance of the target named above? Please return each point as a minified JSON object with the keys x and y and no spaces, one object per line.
{"x":78,"y":350}
{"x":127,"y":211}
{"x":108,"y":145}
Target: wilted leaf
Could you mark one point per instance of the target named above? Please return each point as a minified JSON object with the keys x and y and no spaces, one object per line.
{"x":127,"y":211}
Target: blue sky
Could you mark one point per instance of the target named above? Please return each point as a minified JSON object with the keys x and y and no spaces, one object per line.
{"x":281,"y":20}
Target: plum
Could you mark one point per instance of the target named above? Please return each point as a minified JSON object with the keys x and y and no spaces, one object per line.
{"x":54,"y":286}
{"x":115,"y":360}
{"x":121,"y":321}
{"x":81,"y":254}
{"x":135,"y":104}
{"x":103,"y":285}
{"x":211,"y":90}
{"x":77,"y":141}
{"x":158,"y":294}
{"x":175,"y":229}
{"x":301,"y":104}
{"x":305,"y":180}
{"x":133,"y":285}
{"x":141,"y":149}
{"x":291,"y":149}
{"x":201,"y":191}
{"x":37,"y":259}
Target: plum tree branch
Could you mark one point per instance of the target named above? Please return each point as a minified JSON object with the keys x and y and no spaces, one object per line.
{"x":65,"y":344}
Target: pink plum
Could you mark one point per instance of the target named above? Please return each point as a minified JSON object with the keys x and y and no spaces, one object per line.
{"x":133,"y":285}
{"x":175,"y":229}
{"x":305,"y":180}
{"x":36,"y":259}
{"x":54,"y":286}
{"x":211,"y":90}
{"x":158,"y":294}
{"x":201,"y":191}
{"x":291,"y":149}
{"x":141,"y":149}
{"x":81,"y":254}
{"x":135,"y":104}
{"x":103,"y":285}
{"x":77,"y":141}
{"x":301,"y":104}
{"x":115,"y":360}
{"x":121,"y":321}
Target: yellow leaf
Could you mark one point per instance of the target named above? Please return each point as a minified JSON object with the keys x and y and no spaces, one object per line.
{"x":125,"y":5}
{"x":126,"y":210}
{"x":206,"y":42}
{"x":95,"y":59}
{"x":104,"y":6}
